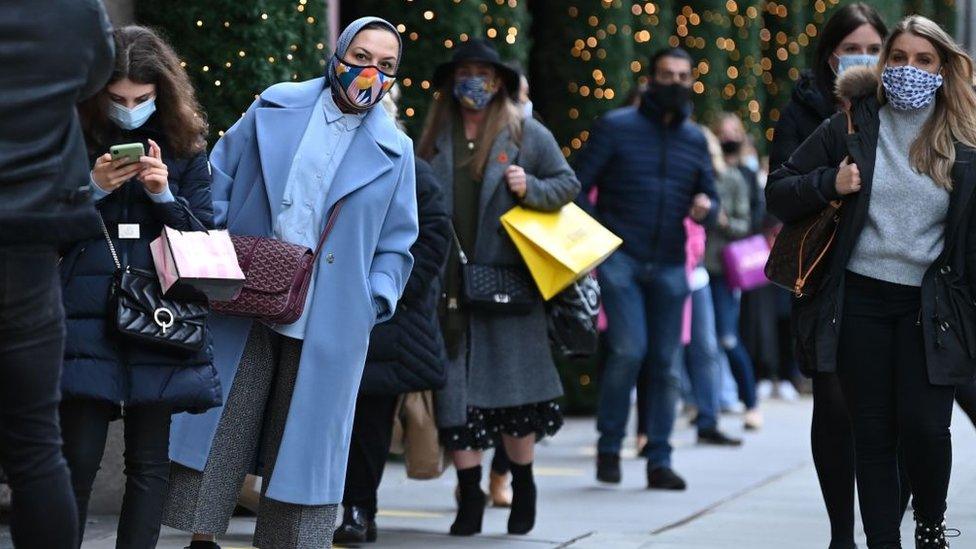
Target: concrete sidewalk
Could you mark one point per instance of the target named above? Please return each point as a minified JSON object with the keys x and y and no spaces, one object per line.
{"x":764,"y":495}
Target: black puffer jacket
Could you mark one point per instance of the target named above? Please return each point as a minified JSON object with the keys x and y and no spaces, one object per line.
{"x":49,"y":61}
{"x":98,"y":364}
{"x":808,"y":107}
{"x":804,"y":185}
{"x":407,"y":353}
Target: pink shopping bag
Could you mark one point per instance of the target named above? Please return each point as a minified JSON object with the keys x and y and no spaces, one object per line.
{"x":744,"y":261}
{"x":197,"y":262}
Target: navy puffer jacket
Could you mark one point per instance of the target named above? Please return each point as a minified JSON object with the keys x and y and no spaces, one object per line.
{"x":98,"y":364}
{"x":647,"y":173}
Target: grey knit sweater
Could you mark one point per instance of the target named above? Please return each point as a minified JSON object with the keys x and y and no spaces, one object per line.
{"x":905,"y":229}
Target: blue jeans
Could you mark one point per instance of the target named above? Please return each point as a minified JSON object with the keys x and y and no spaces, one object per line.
{"x":727,"y":326}
{"x":702,"y":359}
{"x":643,"y":303}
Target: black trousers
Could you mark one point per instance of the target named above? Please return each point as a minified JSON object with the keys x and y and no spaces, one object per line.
{"x":371,"y":434}
{"x":882,"y":369}
{"x":84,"y":425}
{"x":966,"y":397}
{"x":31,"y":350}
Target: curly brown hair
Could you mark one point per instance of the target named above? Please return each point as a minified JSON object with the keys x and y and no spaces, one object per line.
{"x":143,"y":56}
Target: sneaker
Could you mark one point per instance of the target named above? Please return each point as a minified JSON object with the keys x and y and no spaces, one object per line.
{"x":664,"y":478}
{"x":714,"y":437}
{"x":786,"y":391}
{"x":764,"y":389}
{"x":608,"y":468}
{"x":753,"y":420}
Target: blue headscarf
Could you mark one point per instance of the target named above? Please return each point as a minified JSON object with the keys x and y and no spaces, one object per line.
{"x":359,"y":88}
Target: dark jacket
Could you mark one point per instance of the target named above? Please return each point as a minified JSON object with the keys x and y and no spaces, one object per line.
{"x":647,"y":175}
{"x":407,"y":353}
{"x":808,"y":107}
{"x":805,"y":184}
{"x":98,"y":363}
{"x":52,"y":56}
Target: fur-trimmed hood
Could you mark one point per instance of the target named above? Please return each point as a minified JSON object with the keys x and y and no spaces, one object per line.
{"x":857,"y":82}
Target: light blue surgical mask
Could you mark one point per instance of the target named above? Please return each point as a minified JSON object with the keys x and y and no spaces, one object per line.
{"x":130,"y":119}
{"x":849,"y":60}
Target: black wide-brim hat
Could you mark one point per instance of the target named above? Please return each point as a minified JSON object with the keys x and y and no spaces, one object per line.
{"x":482,"y":51}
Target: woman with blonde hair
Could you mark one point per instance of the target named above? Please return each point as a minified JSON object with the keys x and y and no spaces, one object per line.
{"x":895,"y":316}
{"x":734,"y":222}
{"x":501,"y":380}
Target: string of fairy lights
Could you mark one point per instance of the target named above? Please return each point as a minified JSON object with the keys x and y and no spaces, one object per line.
{"x":747,"y":52}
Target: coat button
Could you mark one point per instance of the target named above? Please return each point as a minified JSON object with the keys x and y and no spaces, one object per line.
{"x":945,"y":269}
{"x":330,"y":258}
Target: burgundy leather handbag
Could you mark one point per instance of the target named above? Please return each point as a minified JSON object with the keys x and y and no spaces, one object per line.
{"x":277,"y":276}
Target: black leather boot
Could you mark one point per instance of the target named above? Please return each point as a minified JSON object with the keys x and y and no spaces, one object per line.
{"x":358,"y":526}
{"x":524,"y":495}
{"x":471,"y":503}
{"x":932,"y":535}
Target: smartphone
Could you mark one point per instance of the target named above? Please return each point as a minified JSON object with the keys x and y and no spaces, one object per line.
{"x":132,"y":152}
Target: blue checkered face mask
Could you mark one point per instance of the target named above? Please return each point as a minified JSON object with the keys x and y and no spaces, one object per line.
{"x":910,"y":88}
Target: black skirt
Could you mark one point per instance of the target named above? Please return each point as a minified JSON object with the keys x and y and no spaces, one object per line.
{"x":486,"y":425}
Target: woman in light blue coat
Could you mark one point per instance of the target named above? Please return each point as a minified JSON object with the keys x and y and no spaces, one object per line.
{"x":290,"y":391}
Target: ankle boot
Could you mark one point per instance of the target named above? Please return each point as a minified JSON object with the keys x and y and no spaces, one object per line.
{"x":471,"y":503}
{"x":522,"y":518}
{"x":932,"y":535}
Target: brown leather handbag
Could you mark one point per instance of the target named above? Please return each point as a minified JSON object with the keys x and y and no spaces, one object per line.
{"x":799,"y":253}
{"x":277,"y":276}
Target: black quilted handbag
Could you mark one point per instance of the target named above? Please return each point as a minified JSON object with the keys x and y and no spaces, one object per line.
{"x":573,"y":318}
{"x":506,"y":289}
{"x":498,"y":288}
{"x":142,"y":314}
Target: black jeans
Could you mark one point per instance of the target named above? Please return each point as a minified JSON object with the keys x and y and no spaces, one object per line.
{"x":882,"y":369}
{"x":84,"y":425}
{"x":371,"y":433}
{"x":31,"y":350}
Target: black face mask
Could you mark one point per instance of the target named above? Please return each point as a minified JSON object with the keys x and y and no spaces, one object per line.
{"x":670,"y":97}
{"x":731,"y":147}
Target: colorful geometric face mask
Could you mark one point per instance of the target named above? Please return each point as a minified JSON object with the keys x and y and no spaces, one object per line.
{"x":475,"y":92}
{"x":363,"y":86}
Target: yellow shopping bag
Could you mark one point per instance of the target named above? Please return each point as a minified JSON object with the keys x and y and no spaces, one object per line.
{"x":559,"y":247}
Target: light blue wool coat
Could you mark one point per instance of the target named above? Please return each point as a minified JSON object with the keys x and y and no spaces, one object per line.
{"x":359,"y":278}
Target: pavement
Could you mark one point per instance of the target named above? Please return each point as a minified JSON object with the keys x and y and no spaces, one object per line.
{"x":763,"y":495}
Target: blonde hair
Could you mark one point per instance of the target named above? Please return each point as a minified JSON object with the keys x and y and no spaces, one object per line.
{"x":954,"y":120}
{"x":501,"y":114}
{"x":715,"y":151}
{"x":391,"y":104}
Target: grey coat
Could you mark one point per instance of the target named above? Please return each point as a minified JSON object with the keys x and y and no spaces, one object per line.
{"x":507,"y":360}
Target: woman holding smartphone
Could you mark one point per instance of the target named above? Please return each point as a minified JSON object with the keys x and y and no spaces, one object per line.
{"x":149,"y":102}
